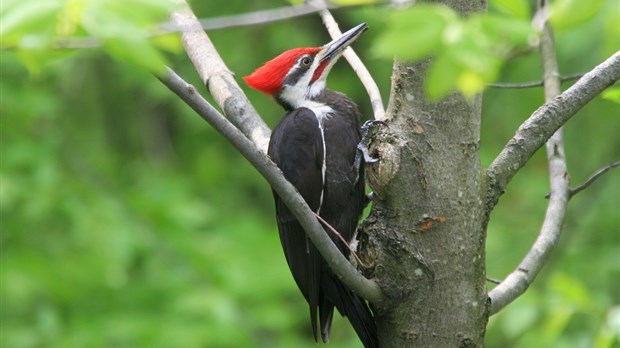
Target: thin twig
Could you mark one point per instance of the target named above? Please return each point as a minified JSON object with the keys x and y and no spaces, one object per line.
{"x":356,"y":63}
{"x":215,"y":23}
{"x":493,"y":280}
{"x":335,"y":232}
{"x":366,"y":288}
{"x":598,"y":174}
{"x":253,"y":18}
{"x":533,"y":83}
{"x":522,"y":277}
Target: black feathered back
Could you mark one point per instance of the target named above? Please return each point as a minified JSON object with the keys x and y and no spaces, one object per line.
{"x":296,"y":146}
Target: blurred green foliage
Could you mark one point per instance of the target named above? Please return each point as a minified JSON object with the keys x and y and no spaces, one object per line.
{"x":126,"y":221}
{"x":469,"y":52}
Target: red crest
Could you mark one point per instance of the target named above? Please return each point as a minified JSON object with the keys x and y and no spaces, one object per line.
{"x":268,"y":78}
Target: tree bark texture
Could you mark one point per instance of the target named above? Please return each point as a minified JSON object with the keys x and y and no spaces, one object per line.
{"x":424,"y":240}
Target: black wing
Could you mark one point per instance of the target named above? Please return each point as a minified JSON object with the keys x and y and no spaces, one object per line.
{"x":296,"y":146}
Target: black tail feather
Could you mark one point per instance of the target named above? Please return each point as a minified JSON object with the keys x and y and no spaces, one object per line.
{"x":354,"y":308}
{"x":326,"y":314}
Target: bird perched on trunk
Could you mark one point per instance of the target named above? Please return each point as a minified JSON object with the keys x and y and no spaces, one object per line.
{"x":316,"y":145}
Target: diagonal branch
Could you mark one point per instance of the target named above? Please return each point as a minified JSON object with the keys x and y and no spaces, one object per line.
{"x":519,"y":280}
{"x":215,"y":23}
{"x":598,"y":174}
{"x":218,"y":79}
{"x":253,"y":18}
{"x":539,"y":127}
{"x":366,"y":288}
{"x":533,"y":83}
{"x":356,"y":63}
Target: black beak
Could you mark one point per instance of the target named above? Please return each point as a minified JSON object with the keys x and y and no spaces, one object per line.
{"x":335,"y":48}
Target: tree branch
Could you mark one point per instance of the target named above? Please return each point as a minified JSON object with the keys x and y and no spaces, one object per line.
{"x":533,"y":83}
{"x":598,"y":174}
{"x":218,"y":79}
{"x":366,"y":288}
{"x":356,"y":63}
{"x":539,"y":127}
{"x":252,"y":18}
{"x":519,"y":280}
{"x":215,"y":23}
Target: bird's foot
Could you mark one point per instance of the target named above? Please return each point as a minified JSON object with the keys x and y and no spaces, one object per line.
{"x":362,"y":146}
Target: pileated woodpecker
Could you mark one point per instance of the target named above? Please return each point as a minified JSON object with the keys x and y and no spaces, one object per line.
{"x":315,"y":146}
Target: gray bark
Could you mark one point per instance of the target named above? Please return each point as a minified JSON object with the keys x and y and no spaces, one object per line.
{"x":425,"y":236}
{"x":423,"y":244}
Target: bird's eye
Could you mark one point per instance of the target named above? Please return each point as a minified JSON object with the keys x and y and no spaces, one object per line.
{"x":305,"y":61}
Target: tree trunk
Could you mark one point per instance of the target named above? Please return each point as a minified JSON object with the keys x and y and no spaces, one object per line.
{"x":424,"y":240}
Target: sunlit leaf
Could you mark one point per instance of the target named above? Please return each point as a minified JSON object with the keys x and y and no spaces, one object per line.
{"x":27,"y":18}
{"x":507,"y":33}
{"x":514,"y":8}
{"x":170,"y":43}
{"x":442,"y":77}
{"x":612,"y":94}
{"x":609,"y":331}
{"x":70,"y":18}
{"x":36,"y":59}
{"x":136,"y":51}
{"x":414,"y":33}
{"x":470,"y":83}
{"x":570,"y":13}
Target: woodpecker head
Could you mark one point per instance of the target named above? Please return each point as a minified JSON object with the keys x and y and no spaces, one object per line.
{"x":299,"y":74}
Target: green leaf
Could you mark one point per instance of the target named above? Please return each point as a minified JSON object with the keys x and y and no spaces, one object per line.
{"x":612,"y":94}
{"x":441,"y":78}
{"x":27,"y":17}
{"x":514,"y":8}
{"x":36,"y":59}
{"x":506,"y":33}
{"x":138,"y":52}
{"x":609,"y":331}
{"x":470,"y":83}
{"x":567,"y":14}
{"x":415,"y":33}
{"x":170,"y":42}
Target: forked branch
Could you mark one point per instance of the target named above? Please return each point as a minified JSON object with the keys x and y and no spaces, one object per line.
{"x":519,"y":280}
{"x":539,"y":127}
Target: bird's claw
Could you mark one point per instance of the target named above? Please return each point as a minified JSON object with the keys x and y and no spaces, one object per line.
{"x":364,"y":150}
{"x":362,"y":146}
{"x":366,"y":131}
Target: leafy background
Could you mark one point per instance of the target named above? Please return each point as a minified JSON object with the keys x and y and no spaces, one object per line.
{"x":126,"y":221}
